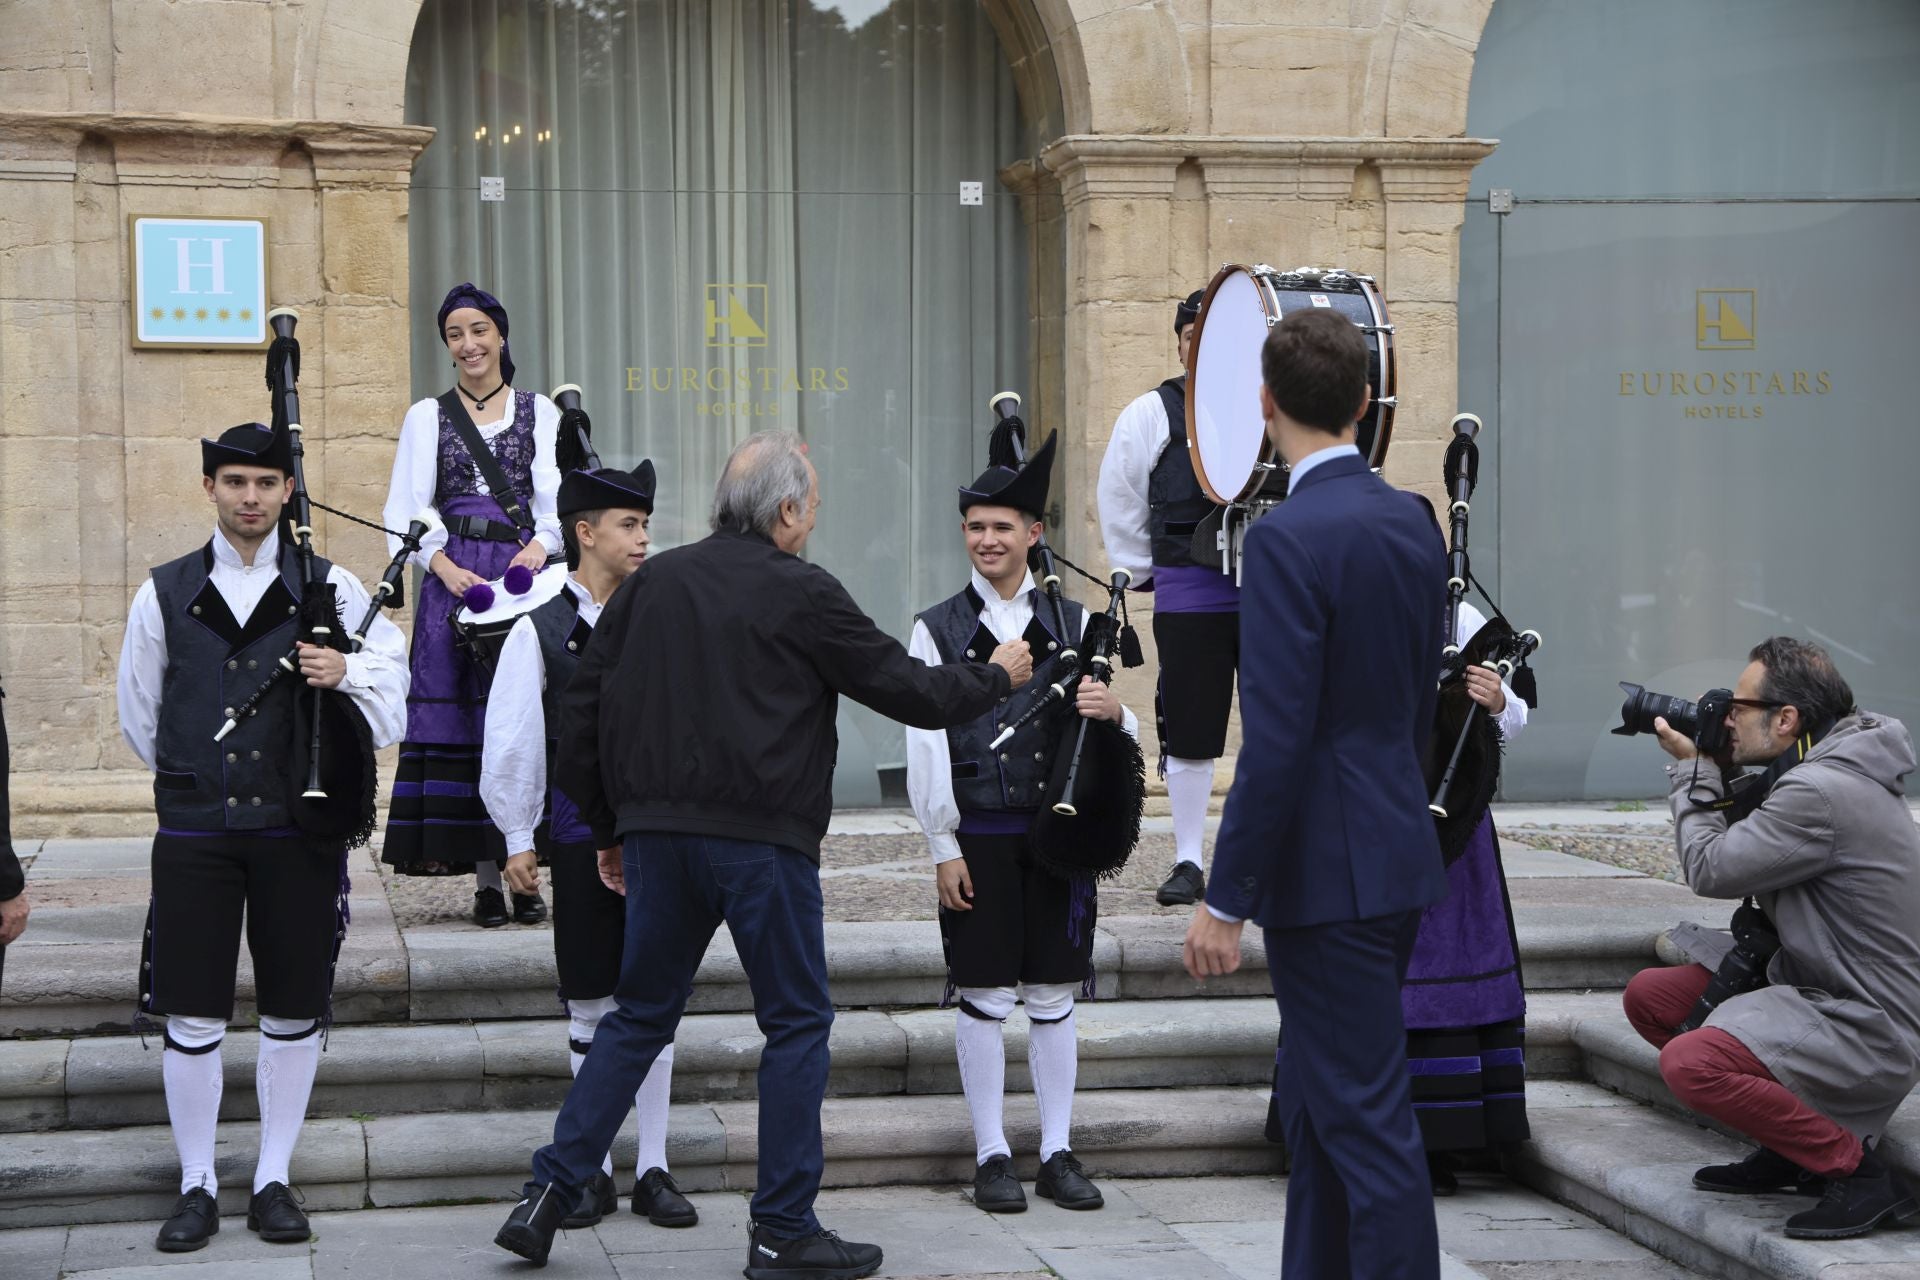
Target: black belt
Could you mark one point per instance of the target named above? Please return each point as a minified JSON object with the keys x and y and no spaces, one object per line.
{"x":481,"y":527}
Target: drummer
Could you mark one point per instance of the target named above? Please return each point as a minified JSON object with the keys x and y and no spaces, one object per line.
{"x":606,"y":514}
{"x":478,"y":464}
{"x":1150,"y":504}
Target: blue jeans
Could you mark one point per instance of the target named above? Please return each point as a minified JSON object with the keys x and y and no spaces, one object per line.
{"x":679,"y":889}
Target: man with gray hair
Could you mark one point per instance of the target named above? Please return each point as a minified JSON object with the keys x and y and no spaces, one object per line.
{"x":697,"y":739}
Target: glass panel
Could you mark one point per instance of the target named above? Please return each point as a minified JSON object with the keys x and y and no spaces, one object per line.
{"x":727,"y":216}
{"x":1702,"y":443}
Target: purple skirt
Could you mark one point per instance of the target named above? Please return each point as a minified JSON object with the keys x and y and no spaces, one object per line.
{"x":437,"y":824}
{"x":1465,"y":971}
{"x":448,"y":700}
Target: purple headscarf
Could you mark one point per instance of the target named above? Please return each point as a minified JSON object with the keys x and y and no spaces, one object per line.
{"x":471,"y":295}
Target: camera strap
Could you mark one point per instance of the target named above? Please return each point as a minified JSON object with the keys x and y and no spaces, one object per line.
{"x":1741,"y":801}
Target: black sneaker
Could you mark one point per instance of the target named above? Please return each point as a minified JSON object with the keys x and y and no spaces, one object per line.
{"x":529,"y":908}
{"x":996,"y":1189}
{"x":273,"y":1214}
{"x":490,"y":908}
{"x":597,"y":1200}
{"x":1761,"y":1173}
{"x":1063,"y":1181}
{"x":195,"y":1220}
{"x":1871,"y":1196}
{"x":820,"y":1256}
{"x":657,"y":1198}
{"x":1183,"y":888}
{"x":528,"y":1230}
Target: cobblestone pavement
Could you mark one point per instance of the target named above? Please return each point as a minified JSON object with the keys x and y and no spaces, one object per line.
{"x":1150,"y":1229}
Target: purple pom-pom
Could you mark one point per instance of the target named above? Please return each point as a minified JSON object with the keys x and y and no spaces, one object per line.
{"x":479,"y":597}
{"x":518,"y":580}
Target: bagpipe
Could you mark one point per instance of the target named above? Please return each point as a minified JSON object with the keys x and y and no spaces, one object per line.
{"x":334,"y":775}
{"x":1089,"y":818}
{"x":1463,"y":758}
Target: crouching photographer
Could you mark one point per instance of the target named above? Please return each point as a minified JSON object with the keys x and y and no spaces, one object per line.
{"x":1807,"y":1050}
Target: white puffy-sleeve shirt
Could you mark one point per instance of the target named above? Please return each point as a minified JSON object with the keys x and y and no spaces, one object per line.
{"x":1514,"y":718}
{"x":1140,"y":436}
{"x":416,"y":473}
{"x":929,"y":760}
{"x":377,"y":676}
{"x":513,"y":752}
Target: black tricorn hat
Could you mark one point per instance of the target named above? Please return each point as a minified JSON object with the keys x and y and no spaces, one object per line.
{"x":251,"y":444}
{"x":1002,"y":484}
{"x":1185,"y":313}
{"x":606,"y":487}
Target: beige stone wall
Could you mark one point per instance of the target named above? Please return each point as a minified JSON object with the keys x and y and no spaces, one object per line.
{"x":1168,"y":136}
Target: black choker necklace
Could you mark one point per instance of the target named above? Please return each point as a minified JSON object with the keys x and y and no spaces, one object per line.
{"x":480,"y":402}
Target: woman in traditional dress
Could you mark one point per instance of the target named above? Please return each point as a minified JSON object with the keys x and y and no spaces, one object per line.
{"x":437,"y":824}
{"x":1463,"y":998}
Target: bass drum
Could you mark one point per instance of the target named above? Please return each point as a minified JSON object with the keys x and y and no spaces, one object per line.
{"x":483,"y":632}
{"x":1226,"y":437}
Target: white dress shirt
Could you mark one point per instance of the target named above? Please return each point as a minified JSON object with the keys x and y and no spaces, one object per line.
{"x":1140,"y":436}
{"x":929,"y":760}
{"x":513,"y":752}
{"x":416,"y":475}
{"x":1511,"y":720}
{"x":1299,"y":470}
{"x":376,"y":679}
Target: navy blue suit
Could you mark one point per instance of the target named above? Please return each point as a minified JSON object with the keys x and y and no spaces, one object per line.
{"x":1327,"y":844}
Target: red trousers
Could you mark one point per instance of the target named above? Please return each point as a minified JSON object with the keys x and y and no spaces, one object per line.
{"x":1712,"y":1073}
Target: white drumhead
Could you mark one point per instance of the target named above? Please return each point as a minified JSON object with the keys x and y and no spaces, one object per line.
{"x":1224,"y":390}
{"x":546,"y":585}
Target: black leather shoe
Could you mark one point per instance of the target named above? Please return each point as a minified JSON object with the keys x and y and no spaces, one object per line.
{"x":1761,"y":1173}
{"x":996,"y":1189}
{"x":273,"y":1214}
{"x":1064,"y":1182}
{"x":490,"y":908}
{"x":597,"y":1201}
{"x":529,"y":1229}
{"x":1183,"y":888}
{"x":657,"y":1198}
{"x":820,"y":1256}
{"x":1440,"y":1172}
{"x":1871,"y":1196}
{"x":529,"y":908}
{"x":196,"y":1219}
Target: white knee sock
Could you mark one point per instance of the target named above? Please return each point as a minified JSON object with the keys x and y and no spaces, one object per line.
{"x":1189,"y":789}
{"x":583,"y":1019}
{"x":486,"y":875}
{"x":284,"y":1081}
{"x":193,"y":1084}
{"x":650,"y":1112}
{"x":980,"y":1047}
{"x":1053,"y":1055}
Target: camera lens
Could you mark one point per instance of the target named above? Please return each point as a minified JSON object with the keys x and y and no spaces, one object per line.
{"x":1643,"y":706}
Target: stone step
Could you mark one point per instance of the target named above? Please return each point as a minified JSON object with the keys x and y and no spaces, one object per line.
{"x":128,"y":1174}
{"x":74,"y":971}
{"x":1591,"y":1038}
{"x":1630,"y":1165}
{"x":98,"y":1081}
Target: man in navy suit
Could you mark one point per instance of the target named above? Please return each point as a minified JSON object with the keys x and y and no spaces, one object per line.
{"x":1326,"y":841}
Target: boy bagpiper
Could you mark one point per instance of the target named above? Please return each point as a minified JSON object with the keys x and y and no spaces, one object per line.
{"x":604,"y":516}
{"x":1005,"y":922}
{"x":203,"y":634}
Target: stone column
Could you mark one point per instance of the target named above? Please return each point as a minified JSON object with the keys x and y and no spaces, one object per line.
{"x":99,"y":442}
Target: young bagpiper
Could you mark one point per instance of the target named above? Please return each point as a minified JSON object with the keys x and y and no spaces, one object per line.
{"x":604,"y":516}
{"x":1005,"y":922}
{"x":204,"y":632}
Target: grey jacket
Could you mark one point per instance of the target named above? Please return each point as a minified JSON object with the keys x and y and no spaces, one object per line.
{"x":1833,"y":856}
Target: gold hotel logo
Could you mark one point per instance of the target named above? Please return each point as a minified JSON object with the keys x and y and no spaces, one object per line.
{"x":1723,"y":319}
{"x":736,"y":315}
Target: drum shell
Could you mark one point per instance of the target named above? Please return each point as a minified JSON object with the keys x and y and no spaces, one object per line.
{"x":1278,"y":294}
